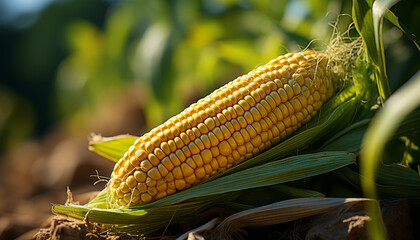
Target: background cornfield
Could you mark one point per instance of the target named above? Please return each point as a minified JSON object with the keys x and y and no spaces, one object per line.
{"x":73,"y":67}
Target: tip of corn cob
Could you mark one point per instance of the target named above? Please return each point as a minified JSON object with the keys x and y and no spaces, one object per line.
{"x":231,"y":125}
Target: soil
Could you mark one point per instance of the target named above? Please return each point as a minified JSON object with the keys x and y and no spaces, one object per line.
{"x":36,"y":173}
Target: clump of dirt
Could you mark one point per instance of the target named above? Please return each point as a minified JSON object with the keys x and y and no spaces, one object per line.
{"x":350,"y":222}
{"x":65,"y":228}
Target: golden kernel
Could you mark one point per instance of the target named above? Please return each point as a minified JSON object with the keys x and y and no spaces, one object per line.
{"x":296,"y":104}
{"x":180,"y":184}
{"x":235,"y":124}
{"x":199,"y":144}
{"x":238,"y":138}
{"x":145,"y":165}
{"x":172,"y":145}
{"x":145,"y":197}
{"x":152,"y":191}
{"x":200,"y":172}
{"x":176,"y":158}
{"x":196,"y":132}
{"x":141,"y":154}
{"x":261,"y":109}
{"x":170,"y":190}
{"x":191,"y":179}
{"x":209,"y":122}
{"x":127,"y":166}
{"x":186,"y":170}
{"x":190,"y":134}
{"x":225,"y":148}
{"x":168,"y":163}
{"x":154,"y":173}
{"x":161,"y":195}
{"x":203,"y":128}
{"x":165,"y":148}
{"x":232,"y":112}
{"x":250,"y":100}
{"x":248,"y":117}
{"x":225,"y":131}
{"x":134,"y":161}
{"x":124,"y":188}
{"x":156,"y":141}
{"x":218,"y":133}
{"x":214,"y":164}
{"x":159,"y":153}
{"x":186,"y":151}
{"x":131,"y":182}
{"x":193,"y":148}
{"x":153,"y":159}
{"x":255,"y":114}
{"x":169,"y":178}
{"x":290,"y":108}
{"x":179,"y":143}
{"x":162,"y":170}
{"x":177,"y":172}
{"x":215,"y":151}
{"x":208,"y":169}
{"x":242,"y":122}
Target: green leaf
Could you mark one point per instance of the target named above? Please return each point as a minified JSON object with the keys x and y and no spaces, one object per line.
{"x":281,"y":212}
{"x":112,"y":148}
{"x":385,"y":124}
{"x":392,"y":181}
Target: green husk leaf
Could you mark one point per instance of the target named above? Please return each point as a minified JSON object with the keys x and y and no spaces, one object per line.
{"x":280,"y":171}
{"x":155,"y":215}
{"x":265,"y":195}
{"x":112,"y":148}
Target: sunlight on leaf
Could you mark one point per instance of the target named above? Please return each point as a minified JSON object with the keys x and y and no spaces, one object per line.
{"x":112,"y":148}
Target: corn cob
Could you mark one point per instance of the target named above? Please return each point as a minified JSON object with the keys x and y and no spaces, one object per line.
{"x":232,"y":124}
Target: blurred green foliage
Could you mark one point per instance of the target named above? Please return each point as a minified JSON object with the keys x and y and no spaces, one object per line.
{"x":79,"y":52}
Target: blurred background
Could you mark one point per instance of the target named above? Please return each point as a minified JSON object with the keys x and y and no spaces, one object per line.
{"x":69,"y":68}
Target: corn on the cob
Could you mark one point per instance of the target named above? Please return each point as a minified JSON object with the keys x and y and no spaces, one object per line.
{"x":232,"y":124}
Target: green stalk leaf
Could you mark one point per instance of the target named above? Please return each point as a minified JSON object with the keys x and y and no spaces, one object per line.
{"x":381,"y":129}
{"x":363,"y":21}
{"x":368,"y":23}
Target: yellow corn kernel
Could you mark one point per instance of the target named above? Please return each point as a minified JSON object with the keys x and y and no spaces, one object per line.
{"x":234,"y":123}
